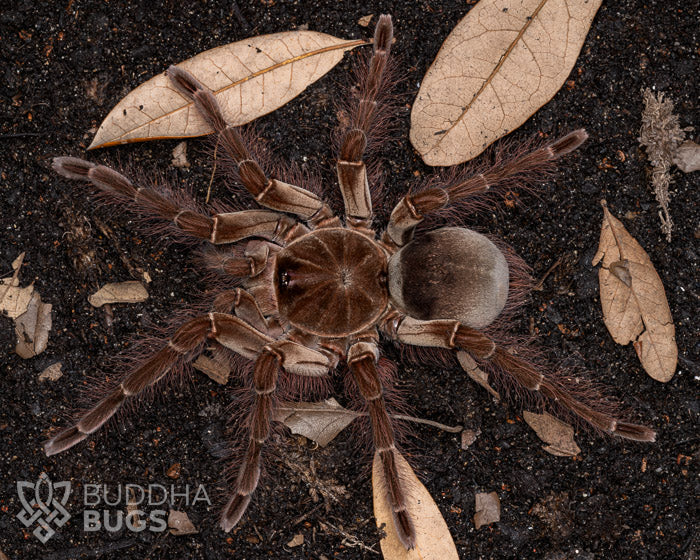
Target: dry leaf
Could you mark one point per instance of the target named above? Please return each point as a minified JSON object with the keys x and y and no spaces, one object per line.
{"x":364,"y":20}
{"x":180,"y":524}
{"x":501,"y":63}
{"x":476,"y":374}
{"x":32,"y":328}
{"x":52,"y":373}
{"x":433,"y":539}
{"x":249,"y":78}
{"x":13,"y":299}
{"x":119,"y":292}
{"x":487,"y":508}
{"x":633,"y":299}
{"x":559,"y":435}
{"x":214,"y":370}
{"x":180,"y":155}
{"x":319,"y":421}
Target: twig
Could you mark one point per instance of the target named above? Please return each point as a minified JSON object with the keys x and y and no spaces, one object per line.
{"x":349,"y":540}
{"x":538,"y":287}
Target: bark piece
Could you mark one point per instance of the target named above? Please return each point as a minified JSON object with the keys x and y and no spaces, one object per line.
{"x":211,"y":368}
{"x":433,"y":539}
{"x":634,"y":302}
{"x":501,"y":63}
{"x":119,"y":292}
{"x":558,"y":434}
{"x":249,"y":78}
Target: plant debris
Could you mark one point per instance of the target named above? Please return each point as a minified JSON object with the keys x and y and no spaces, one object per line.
{"x":180,"y":156}
{"x":320,"y":422}
{"x":662,"y":136}
{"x":180,"y":524}
{"x":496,"y":68}
{"x":249,"y":78}
{"x":216,"y":371}
{"x":52,"y":373}
{"x":558,"y":434}
{"x":131,"y":291}
{"x":32,"y":328}
{"x":634,"y":302}
{"x":487,"y":508}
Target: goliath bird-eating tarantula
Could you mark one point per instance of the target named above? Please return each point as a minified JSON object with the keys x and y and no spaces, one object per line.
{"x":317,"y":290}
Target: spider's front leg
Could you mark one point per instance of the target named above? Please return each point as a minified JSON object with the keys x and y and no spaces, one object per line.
{"x":352,"y":172}
{"x":268,"y":192}
{"x":217,"y":229}
{"x":362,"y":360}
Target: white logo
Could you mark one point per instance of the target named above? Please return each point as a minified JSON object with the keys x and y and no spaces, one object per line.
{"x":44,"y":511}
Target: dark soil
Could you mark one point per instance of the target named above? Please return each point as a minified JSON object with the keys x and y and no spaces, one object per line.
{"x":65,"y":64}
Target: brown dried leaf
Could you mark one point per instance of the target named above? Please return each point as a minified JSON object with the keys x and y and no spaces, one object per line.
{"x":633,"y":299}
{"x":297,"y":540}
{"x":216,"y":371}
{"x":433,"y":539}
{"x":13,"y":299}
{"x":319,"y":421}
{"x":559,"y":435}
{"x":487,"y":508}
{"x":180,"y":524}
{"x":476,"y":374}
{"x":501,"y":63}
{"x":52,"y":373}
{"x":119,"y":292}
{"x":249,"y":78}
{"x":32,"y":328}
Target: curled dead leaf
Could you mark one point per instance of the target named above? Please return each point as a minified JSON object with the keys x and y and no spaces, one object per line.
{"x":634,"y":302}
{"x":14,"y":300}
{"x":32,"y":328}
{"x":558,"y":434}
{"x":180,"y":155}
{"x":433,"y":539}
{"x":119,"y":292}
{"x":319,"y":421}
{"x":249,"y":78}
{"x":487,"y":509}
{"x":687,"y":157}
{"x":501,"y":63}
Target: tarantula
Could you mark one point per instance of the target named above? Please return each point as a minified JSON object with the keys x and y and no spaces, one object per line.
{"x":317,"y":290}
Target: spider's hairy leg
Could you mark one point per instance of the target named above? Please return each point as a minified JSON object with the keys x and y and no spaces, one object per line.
{"x":268,"y":192}
{"x":264,"y":384}
{"x":451,"y":334}
{"x":362,"y":359}
{"x":217,"y":229}
{"x":232,"y":332}
{"x":185,"y":340}
{"x":519,"y":170}
{"x":352,"y":173}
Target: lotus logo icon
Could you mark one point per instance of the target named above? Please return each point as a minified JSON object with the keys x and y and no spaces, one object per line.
{"x":43,"y":507}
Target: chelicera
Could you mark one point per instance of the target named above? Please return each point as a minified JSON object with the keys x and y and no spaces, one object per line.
{"x":316,"y":290}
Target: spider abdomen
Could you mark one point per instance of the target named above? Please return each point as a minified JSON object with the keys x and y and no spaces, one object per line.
{"x":331,"y":282}
{"x":450,"y":273}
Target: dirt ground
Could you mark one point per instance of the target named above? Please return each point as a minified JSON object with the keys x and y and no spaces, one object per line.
{"x":64,"y":66}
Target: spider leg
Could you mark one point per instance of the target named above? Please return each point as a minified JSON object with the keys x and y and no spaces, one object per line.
{"x":268,"y":192}
{"x":520,"y":170}
{"x":362,"y":359}
{"x":218,"y":229}
{"x":352,"y":172}
{"x":451,"y":334}
{"x":232,"y":332}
